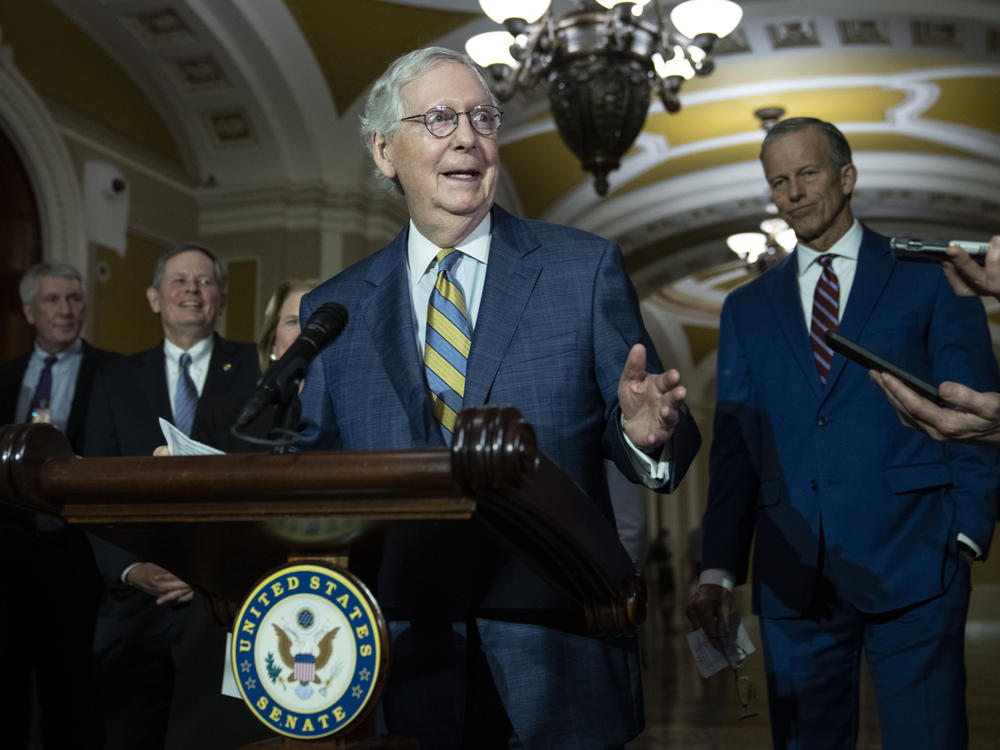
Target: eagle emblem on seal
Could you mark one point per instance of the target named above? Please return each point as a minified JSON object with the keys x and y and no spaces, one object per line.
{"x":304,"y":658}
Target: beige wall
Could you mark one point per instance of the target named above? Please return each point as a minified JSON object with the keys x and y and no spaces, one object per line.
{"x":276,"y":254}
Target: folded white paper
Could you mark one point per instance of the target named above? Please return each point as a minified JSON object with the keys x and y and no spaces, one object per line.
{"x":229,"y":686}
{"x":180,"y":444}
{"x":709,"y":659}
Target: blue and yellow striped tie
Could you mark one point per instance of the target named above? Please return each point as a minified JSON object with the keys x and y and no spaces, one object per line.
{"x":449,"y":336}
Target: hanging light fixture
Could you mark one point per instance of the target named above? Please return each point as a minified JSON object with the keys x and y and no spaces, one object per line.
{"x":600,"y":64}
{"x":761,"y":250}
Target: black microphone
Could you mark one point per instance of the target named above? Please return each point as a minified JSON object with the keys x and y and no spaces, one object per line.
{"x":281,"y":381}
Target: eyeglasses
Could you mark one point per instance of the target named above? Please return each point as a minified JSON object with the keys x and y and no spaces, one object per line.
{"x":442,"y":121}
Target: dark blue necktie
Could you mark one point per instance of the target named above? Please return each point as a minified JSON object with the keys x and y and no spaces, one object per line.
{"x":41,"y":402}
{"x":185,"y":397}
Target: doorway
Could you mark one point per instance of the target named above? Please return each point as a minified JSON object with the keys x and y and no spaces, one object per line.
{"x":20,"y":247}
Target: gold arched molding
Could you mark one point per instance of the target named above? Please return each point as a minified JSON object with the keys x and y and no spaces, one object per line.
{"x":30,"y":127}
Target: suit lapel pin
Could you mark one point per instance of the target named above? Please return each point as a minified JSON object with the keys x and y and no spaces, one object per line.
{"x":227,"y":367}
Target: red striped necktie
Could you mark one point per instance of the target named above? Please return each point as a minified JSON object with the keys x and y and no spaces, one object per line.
{"x":826,"y":306}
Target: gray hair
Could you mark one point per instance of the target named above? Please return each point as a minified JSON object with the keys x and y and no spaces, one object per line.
{"x":219,"y":271}
{"x":28,"y":286}
{"x":840,"y":149}
{"x":384,"y":108}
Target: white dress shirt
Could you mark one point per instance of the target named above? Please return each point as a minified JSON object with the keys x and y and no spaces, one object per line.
{"x":201,"y":355}
{"x":470,"y":272}
{"x":845,"y":263}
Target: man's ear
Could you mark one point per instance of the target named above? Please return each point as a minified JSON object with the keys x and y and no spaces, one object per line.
{"x":153,"y":295}
{"x":848,"y":177}
{"x":382,"y":154}
{"x":29,"y":314}
{"x":223,"y":299}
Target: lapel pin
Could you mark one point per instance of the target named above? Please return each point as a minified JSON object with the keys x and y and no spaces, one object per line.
{"x":227,"y":367}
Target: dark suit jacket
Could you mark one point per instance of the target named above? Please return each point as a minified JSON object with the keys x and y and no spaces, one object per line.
{"x":60,"y":559}
{"x":557,"y":318}
{"x":831,"y":470}
{"x":136,"y":641}
{"x":128,"y":397}
{"x":12,"y":372}
{"x":131,"y":394}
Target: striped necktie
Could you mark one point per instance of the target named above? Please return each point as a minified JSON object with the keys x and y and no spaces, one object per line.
{"x":449,"y":336}
{"x":185,"y":397}
{"x":826,"y":306}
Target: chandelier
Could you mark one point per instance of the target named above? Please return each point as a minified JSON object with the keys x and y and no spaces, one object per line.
{"x":762,"y":250}
{"x":601,"y":64}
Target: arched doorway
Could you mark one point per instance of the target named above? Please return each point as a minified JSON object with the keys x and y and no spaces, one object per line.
{"x":20,"y":246}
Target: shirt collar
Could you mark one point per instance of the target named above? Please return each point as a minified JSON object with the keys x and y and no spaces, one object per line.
{"x":75,"y":348}
{"x":199,"y":352}
{"x":847,"y":246}
{"x":421,"y":251}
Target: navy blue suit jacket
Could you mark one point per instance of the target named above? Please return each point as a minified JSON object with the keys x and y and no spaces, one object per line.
{"x":557,"y":319}
{"x":796,"y":461}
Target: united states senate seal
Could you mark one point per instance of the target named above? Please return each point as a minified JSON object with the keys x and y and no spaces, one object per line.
{"x":309,"y":650}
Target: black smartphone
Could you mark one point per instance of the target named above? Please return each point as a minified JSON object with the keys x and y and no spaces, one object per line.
{"x":934,"y":251}
{"x":870,"y":361}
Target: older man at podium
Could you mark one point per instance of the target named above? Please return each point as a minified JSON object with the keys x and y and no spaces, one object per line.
{"x":467,"y":306}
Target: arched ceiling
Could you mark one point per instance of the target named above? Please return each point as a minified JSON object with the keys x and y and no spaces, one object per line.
{"x":234,"y":95}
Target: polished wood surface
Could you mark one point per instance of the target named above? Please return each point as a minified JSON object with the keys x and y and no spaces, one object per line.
{"x":686,"y":712}
{"x":220,"y":522}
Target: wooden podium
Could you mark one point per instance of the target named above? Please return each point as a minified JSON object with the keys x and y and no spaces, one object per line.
{"x":221,"y":522}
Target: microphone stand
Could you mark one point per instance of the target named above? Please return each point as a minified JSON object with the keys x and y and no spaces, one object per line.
{"x":288,"y":409}
{"x":283,"y":431}
{"x":279,"y":386}
{"x":286,"y":420}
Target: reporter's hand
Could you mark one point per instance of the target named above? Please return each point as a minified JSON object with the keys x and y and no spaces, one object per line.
{"x":161,"y":583}
{"x":709,"y":608}
{"x":967,"y":277}
{"x":974,"y":418}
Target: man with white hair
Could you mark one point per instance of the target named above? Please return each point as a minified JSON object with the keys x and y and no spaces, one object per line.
{"x":470,"y":306}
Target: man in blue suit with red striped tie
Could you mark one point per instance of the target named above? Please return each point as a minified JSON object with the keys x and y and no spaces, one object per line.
{"x":469,"y":306}
{"x":863,"y":530}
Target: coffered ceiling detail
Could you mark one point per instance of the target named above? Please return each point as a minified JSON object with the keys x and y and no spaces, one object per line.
{"x":247,"y":94}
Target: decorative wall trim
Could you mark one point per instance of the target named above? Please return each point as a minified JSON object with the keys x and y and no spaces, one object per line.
{"x":30,"y":127}
{"x":289,"y":207}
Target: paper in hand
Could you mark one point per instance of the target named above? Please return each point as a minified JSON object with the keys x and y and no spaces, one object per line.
{"x":180,"y":444}
{"x":709,"y":659}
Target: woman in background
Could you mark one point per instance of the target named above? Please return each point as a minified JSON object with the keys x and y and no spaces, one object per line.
{"x":281,"y":324}
{"x":277,"y":332}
